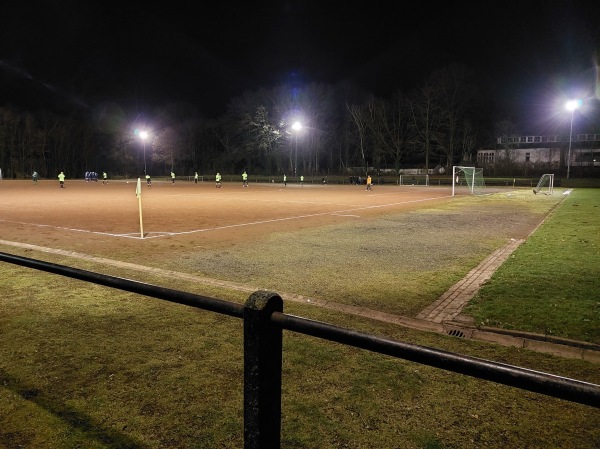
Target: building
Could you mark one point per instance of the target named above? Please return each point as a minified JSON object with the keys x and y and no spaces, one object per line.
{"x":530,"y":154}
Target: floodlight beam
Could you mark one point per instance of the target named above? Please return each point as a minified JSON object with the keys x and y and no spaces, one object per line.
{"x":144,"y":135}
{"x":296,"y":126}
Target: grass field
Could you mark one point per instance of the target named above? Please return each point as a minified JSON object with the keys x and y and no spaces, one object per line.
{"x":85,"y":366}
{"x":551,"y":284}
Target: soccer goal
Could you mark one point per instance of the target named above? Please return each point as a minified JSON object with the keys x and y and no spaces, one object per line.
{"x":470,"y":178}
{"x":413,"y":180}
{"x":545,"y":184}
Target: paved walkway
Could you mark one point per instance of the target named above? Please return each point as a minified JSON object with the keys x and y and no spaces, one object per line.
{"x":451,"y":303}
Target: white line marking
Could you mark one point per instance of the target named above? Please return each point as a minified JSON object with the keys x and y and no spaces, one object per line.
{"x":237,"y":225}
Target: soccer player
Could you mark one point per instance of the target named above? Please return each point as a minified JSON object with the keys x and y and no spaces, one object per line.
{"x":368,"y":182}
{"x":173,"y":176}
{"x":218,"y":180}
{"x":148,"y":181}
{"x":284,"y":180}
{"x":245,"y":179}
{"x":61,"y":180}
{"x":104,"y":178}
{"x":196,"y":178}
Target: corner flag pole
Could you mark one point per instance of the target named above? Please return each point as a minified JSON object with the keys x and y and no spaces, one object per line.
{"x":138,"y":194}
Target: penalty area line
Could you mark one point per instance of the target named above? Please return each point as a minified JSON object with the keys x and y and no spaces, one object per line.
{"x":342,"y":213}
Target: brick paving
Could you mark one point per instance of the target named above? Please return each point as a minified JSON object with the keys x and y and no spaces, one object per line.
{"x":451,"y":303}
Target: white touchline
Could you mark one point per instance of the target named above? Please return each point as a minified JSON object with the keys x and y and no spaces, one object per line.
{"x":237,"y":225}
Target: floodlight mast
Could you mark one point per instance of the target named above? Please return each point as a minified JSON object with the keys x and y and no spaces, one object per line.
{"x":571,"y":106}
{"x":144,"y":135}
{"x":297,"y":126}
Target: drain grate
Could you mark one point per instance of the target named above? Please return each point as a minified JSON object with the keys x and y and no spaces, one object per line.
{"x":456,"y":333}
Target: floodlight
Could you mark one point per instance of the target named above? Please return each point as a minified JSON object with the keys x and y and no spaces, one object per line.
{"x":571,"y":105}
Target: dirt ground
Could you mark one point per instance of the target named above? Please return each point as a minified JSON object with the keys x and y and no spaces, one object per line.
{"x":103,"y":217}
{"x":334,"y":242}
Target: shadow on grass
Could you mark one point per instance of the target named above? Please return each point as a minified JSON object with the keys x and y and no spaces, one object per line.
{"x":72,"y":417}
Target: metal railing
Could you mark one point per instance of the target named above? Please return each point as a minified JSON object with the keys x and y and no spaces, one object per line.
{"x":264,"y":322}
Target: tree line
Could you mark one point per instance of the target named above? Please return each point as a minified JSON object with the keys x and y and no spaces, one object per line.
{"x":343,"y":129}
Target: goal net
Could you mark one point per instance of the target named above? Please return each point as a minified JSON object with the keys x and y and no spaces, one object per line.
{"x":413,"y":180}
{"x":467,"y":179}
{"x":545,"y":184}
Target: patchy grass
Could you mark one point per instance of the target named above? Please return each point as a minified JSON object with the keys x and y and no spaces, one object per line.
{"x":399,"y":263}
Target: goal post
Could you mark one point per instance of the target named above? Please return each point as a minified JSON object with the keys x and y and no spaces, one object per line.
{"x":469,"y":177}
{"x":545,"y":184}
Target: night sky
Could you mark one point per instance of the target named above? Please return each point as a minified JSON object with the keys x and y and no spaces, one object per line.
{"x":141,"y":55}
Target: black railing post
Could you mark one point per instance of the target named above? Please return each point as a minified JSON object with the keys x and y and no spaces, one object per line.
{"x":262,"y":372}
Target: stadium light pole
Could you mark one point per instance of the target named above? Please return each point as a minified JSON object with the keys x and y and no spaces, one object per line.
{"x":297,"y":126}
{"x":144,"y":136}
{"x":571,"y":106}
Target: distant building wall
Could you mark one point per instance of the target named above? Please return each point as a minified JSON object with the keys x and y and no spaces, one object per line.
{"x":523,"y":150}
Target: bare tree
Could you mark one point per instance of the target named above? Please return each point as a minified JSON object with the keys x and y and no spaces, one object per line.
{"x":360,"y":117}
{"x":426,"y":118}
{"x":390,"y":125}
{"x":455,"y":89}
{"x":468,"y":142}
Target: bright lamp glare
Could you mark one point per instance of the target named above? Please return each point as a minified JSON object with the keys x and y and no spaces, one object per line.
{"x":297,"y":126}
{"x":571,"y":105}
{"x":143,"y":135}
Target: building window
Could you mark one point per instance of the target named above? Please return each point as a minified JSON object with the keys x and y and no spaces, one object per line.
{"x":485,"y":158}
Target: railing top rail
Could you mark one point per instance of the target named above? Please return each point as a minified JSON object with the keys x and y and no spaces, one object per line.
{"x":549,"y":384}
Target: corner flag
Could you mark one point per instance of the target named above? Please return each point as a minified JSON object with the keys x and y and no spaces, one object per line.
{"x":138,"y":194}
{"x":138,"y":189}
